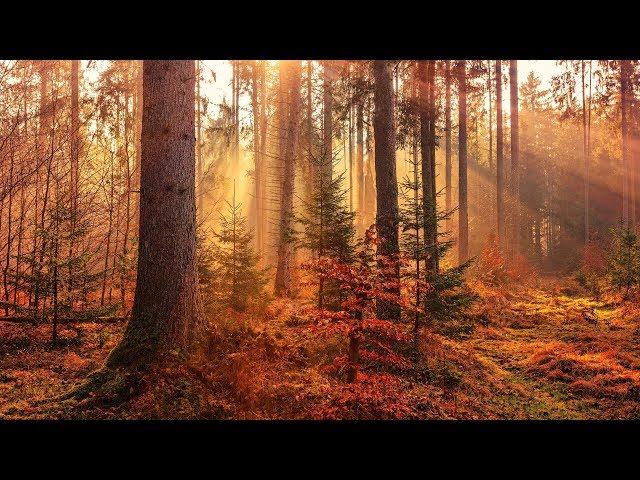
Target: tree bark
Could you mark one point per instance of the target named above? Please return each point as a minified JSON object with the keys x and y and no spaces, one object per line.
{"x":428,"y":161}
{"x":283,"y":271}
{"x":499,"y":156}
{"x":327,"y":111}
{"x":386,"y":181}
{"x":75,"y":153}
{"x":515,"y":155}
{"x":447,"y":142}
{"x":167,"y":310}
{"x":463,"y":220}
{"x":625,"y":80}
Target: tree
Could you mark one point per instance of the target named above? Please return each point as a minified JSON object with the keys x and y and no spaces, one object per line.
{"x":328,"y":225}
{"x":463,"y":220}
{"x":427,"y":145}
{"x":235,"y":275}
{"x":499,"y":157}
{"x":515,"y":157}
{"x":447,"y":140}
{"x":386,"y":180}
{"x":625,"y":102}
{"x":283,"y":273}
{"x":624,"y":262}
{"x":166,"y":311}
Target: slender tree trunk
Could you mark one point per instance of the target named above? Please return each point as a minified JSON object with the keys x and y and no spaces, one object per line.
{"x":138,"y":139}
{"x":499,"y":157}
{"x":263,"y":155}
{"x":166,"y":309}
{"x":105,"y":269}
{"x":432,"y":158}
{"x":463,"y":220}
{"x":586,"y":157}
{"x":199,"y":182}
{"x":360,"y":161}
{"x":490,"y":116}
{"x":515,"y":155}
{"x":75,"y":153}
{"x":350,"y":93}
{"x":428,"y":162}
{"x":327,"y":110}
{"x":625,"y":97}
{"x":9,"y":236}
{"x":257,"y":165}
{"x":283,"y":272}
{"x":45,"y":140}
{"x":127,"y":220}
{"x":447,"y":143}
{"x":386,"y":181}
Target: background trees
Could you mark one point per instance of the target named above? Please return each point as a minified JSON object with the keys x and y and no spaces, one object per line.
{"x":315,"y":154}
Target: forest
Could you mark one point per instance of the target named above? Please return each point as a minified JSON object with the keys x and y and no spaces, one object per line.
{"x":319,"y":239}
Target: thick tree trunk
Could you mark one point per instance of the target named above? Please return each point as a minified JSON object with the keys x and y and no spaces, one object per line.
{"x":463,"y":220}
{"x":167,"y":311}
{"x":386,"y":181}
{"x":283,"y":272}
{"x":499,"y":156}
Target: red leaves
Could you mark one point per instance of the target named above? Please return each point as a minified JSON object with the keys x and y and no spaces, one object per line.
{"x":372,"y":397}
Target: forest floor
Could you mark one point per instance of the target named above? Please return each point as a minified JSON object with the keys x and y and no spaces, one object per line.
{"x":532,"y":352}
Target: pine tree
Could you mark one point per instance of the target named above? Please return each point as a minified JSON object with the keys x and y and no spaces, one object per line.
{"x":236,"y":275}
{"x":624,"y":263}
{"x":441,"y":294}
{"x":328,"y":225}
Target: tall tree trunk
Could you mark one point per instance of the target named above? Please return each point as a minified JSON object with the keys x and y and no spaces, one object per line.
{"x":463,"y":220}
{"x":386,"y":181}
{"x":283,"y":272}
{"x":263,"y":155}
{"x":360,"y":161}
{"x":127,"y":220}
{"x":138,"y":138}
{"x":9,"y":236}
{"x":327,"y":111}
{"x":75,"y":153}
{"x":625,"y":87}
{"x":199,"y":182}
{"x":44,"y":135}
{"x":167,"y":309}
{"x":490,"y":116}
{"x":586,"y":157}
{"x":447,"y":142}
{"x":427,"y":140}
{"x":515,"y":155}
{"x":499,"y":157}
{"x":257,"y":165}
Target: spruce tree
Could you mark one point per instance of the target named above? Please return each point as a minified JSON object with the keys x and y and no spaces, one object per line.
{"x":624,"y":263}
{"x":442,"y":293}
{"x":328,"y":225}
{"x":236,"y":274}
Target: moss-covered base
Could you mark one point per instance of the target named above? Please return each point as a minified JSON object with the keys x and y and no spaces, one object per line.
{"x":109,"y":386}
